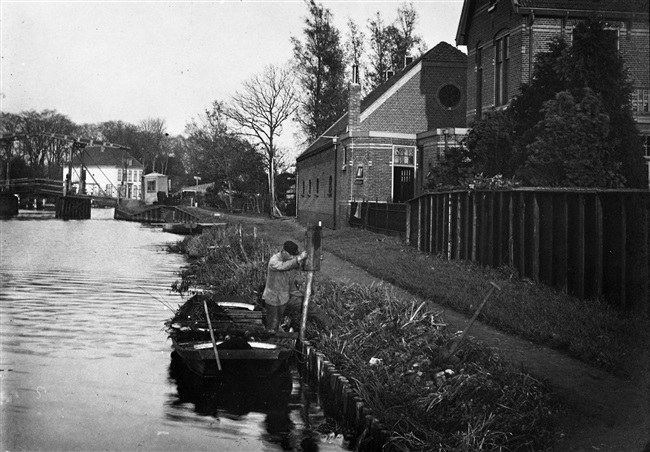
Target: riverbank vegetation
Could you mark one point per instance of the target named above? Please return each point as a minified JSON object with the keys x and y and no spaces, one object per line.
{"x":588,"y":330}
{"x":396,"y":352}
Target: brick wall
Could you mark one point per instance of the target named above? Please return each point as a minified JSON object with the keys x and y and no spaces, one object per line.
{"x":317,"y":205}
{"x":528,"y":39}
{"x":434,"y":77}
{"x":403,"y":112}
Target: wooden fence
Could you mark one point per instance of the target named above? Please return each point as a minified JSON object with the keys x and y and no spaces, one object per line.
{"x":590,"y":244}
{"x":386,"y":218}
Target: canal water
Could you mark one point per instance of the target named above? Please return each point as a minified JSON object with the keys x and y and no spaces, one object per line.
{"x":85,"y":364}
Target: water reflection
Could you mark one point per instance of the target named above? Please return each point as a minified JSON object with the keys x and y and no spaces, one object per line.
{"x":280,"y":402}
{"x":234,"y":398}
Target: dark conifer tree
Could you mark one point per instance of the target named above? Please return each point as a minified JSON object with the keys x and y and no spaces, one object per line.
{"x":319,"y":61}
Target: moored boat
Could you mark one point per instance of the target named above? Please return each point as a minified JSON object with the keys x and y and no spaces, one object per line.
{"x":243,"y":346}
{"x":189,"y":228}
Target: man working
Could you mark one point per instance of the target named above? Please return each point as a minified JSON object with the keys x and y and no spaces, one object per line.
{"x":281,"y":292}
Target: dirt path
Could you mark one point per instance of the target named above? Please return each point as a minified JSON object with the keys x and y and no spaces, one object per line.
{"x":605,"y":413}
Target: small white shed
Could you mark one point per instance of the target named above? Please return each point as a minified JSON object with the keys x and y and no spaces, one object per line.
{"x":153,"y":184}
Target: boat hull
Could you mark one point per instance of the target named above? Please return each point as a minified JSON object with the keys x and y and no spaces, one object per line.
{"x":244,"y":362}
{"x":244,"y":346}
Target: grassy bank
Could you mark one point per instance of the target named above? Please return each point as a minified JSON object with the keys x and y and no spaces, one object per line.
{"x":396,"y":353}
{"x":588,"y":330}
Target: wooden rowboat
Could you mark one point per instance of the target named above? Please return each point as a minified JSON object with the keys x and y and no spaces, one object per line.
{"x":243,"y":346}
{"x":262,"y":358}
{"x":189,"y":228}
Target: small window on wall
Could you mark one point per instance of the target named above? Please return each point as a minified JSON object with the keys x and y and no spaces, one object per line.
{"x":501,"y":70}
{"x":309,"y":190}
{"x":329,"y":187}
{"x":151,"y":186}
{"x":303,"y":188}
{"x":404,"y":155}
{"x":359,"y":173}
{"x":317,"y":186}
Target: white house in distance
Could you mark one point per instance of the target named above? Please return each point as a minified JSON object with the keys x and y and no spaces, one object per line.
{"x":153,"y":184}
{"x":105,"y":171}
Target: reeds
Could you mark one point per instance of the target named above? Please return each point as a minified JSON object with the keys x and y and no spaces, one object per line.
{"x":227,"y":262}
{"x":392,"y":351}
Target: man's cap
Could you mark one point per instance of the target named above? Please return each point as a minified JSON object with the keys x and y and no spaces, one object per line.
{"x":290,"y":248}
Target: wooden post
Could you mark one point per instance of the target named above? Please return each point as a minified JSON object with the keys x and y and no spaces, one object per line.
{"x":214,"y":342}
{"x":580,"y":251}
{"x":446,"y":227}
{"x":489,"y":238}
{"x":534,"y":239}
{"x":408,"y":224}
{"x":474,"y":226}
{"x":311,"y":264}
{"x":419,"y":224}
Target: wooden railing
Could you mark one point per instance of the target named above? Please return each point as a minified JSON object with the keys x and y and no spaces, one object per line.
{"x":46,"y":187}
{"x":588,"y":243}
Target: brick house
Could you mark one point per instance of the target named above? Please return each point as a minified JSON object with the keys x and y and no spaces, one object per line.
{"x":381,"y":148}
{"x":503,"y":36}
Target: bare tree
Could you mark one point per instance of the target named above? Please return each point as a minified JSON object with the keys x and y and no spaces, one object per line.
{"x":260,"y":109}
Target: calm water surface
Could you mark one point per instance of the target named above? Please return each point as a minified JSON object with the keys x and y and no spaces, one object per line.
{"x":85,"y":363}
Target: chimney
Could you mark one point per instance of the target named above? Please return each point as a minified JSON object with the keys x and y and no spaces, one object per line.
{"x":354,"y":102}
{"x":408,"y":60}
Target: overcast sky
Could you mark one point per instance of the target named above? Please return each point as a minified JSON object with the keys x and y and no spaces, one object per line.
{"x":132,"y":60}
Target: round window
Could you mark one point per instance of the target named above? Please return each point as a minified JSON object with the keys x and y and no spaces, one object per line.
{"x":449,"y":96}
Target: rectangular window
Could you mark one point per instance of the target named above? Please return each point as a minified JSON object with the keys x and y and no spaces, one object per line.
{"x":119,"y":175}
{"x":151,"y":186}
{"x":404,"y":155}
{"x":309,"y":191}
{"x":501,"y":69}
{"x":640,"y":99}
{"x":129,"y":176}
{"x":317,"y":186}
{"x":359,"y":173}
{"x":329,"y":187}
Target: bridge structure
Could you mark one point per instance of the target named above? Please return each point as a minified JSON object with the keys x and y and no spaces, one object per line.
{"x":68,"y":205}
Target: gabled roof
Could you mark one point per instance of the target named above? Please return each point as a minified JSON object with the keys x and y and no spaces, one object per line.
{"x":581,"y":8}
{"x":98,"y":156}
{"x":443,"y":52}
